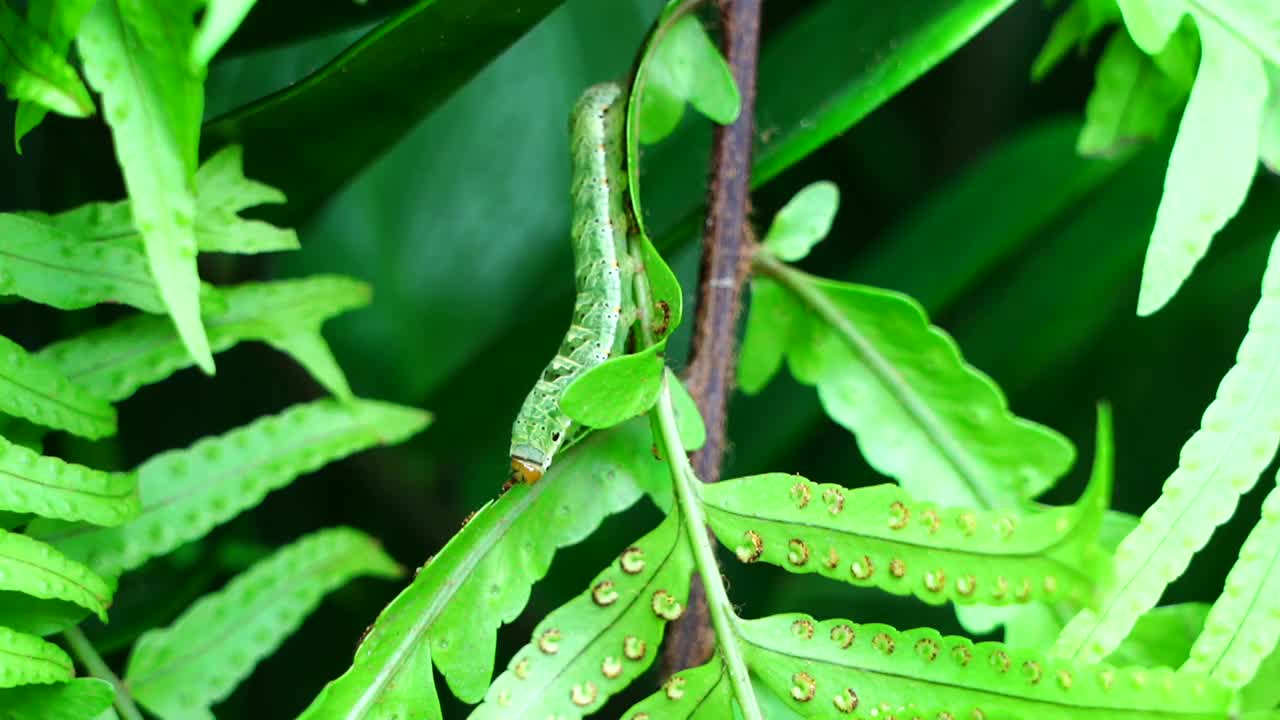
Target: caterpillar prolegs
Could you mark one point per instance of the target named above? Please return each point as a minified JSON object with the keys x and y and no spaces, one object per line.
{"x":603,"y":310}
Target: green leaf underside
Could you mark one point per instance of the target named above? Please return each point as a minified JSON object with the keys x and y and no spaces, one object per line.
{"x":33,"y":71}
{"x":664,"y":291}
{"x":481,"y":579}
{"x":1072,"y":30}
{"x":58,"y":21}
{"x":114,"y":361}
{"x":882,"y":537}
{"x":136,"y":58}
{"x":1131,"y":102}
{"x":593,"y":646}
{"x":26,"y":659}
{"x":684,"y":66}
{"x":221,"y":18}
{"x":1236,"y":440}
{"x":33,"y":568}
{"x":803,"y":222}
{"x":1162,"y":637}
{"x":215,"y":644}
{"x":825,"y":667}
{"x":186,"y":493}
{"x":701,"y":693}
{"x":75,"y":700}
{"x":616,"y":390}
{"x":1269,"y":145}
{"x":1213,"y":160}
{"x":693,"y":432}
{"x":1244,"y":623}
{"x":920,"y":413}
{"x":52,"y":488}
{"x":33,"y":389}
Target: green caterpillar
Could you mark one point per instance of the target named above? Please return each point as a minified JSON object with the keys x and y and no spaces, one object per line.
{"x":602,"y":272}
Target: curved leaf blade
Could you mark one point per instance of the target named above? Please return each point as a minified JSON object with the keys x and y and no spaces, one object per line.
{"x":52,"y":488}
{"x":57,"y":21}
{"x":32,"y":568}
{"x":616,"y":390}
{"x":33,"y":389}
{"x":683,"y":66}
{"x":186,"y":493}
{"x":221,"y":18}
{"x":215,"y":644}
{"x":36,"y":72}
{"x":73,"y":700}
{"x":700,"y":693}
{"x":803,"y":222}
{"x":1131,"y":100}
{"x":27,"y":660}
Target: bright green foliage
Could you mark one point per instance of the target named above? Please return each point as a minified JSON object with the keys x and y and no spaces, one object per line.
{"x":882,"y":537}
{"x":35,"y":72}
{"x":686,"y":67}
{"x":701,"y":693}
{"x":52,"y":488}
{"x":481,"y":579}
{"x":1269,"y":149}
{"x":33,"y":568}
{"x":74,"y":700}
{"x":32,"y":388}
{"x":57,"y":21}
{"x":835,"y":667}
{"x":26,"y":659}
{"x":1244,"y":624}
{"x":1237,"y":438}
{"x":693,"y":433}
{"x":616,"y":390}
{"x":186,"y":493}
{"x":664,"y":291}
{"x":920,"y":413}
{"x":803,"y":222}
{"x":221,"y":18}
{"x":116,"y":360}
{"x":1133,"y":98}
{"x":594,"y":646}
{"x":136,"y":56}
{"x":1162,"y":637}
{"x":1072,"y":30}
{"x":178,"y":671}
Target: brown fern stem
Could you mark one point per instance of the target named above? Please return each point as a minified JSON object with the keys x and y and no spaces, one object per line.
{"x":726,"y":257}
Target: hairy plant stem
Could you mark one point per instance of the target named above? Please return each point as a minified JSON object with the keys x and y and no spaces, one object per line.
{"x":89,"y":657}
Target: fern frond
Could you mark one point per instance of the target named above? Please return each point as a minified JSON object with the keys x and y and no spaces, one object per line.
{"x":882,"y":537}
{"x":136,"y":57}
{"x":52,"y":488}
{"x":182,"y":669}
{"x":114,"y":361}
{"x":221,"y":18}
{"x":1132,"y":98}
{"x":836,"y":667}
{"x":1236,"y":440}
{"x":26,"y":659}
{"x":34,"y":71}
{"x":57,"y":21}
{"x":1244,"y":623}
{"x":77,"y":699}
{"x":921,"y":414}
{"x":33,"y":568}
{"x":32,"y":388}
{"x":700,"y":693}
{"x":450,"y":614}
{"x":592,"y":647}
{"x":186,"y":493}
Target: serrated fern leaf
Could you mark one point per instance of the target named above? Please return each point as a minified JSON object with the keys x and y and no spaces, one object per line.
{"x":181,"y":670}
{"x":74,"y":700}
{"x":1244,"y":623}
{"x":701,"y":693}
{"x":52,"y":488}
{"x":34,"y":71}
{"x":882,"y":537}
{"x":135,"y":56}
{"x":26,"y":659}
{"x":57,"y":21}
{"x":450,"y":614}
{"x":1237,"y":438}
{"x":114,"y":361}
{"x":32,"y":388}
{"x":33,"y":568}
{"x":595,"y":645}
{"x":835,"y":667}
{"x":186,"y":493}
{"x":920,"y":413}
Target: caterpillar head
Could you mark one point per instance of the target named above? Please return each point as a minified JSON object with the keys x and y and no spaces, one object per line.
{"x":525,"y":471}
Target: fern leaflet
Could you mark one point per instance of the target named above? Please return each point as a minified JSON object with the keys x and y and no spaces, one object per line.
{"x":701,"y":693}
{"x":73,"y":700}
{"x":32,"y":388}
{"x":49,"y":487}
{"x":27,"y":660}
{"x":57,"y":21}
{"x":34,"y":71}
{"x":32,"y":568}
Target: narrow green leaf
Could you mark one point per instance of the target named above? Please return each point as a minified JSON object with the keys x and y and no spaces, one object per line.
{"x":1244,"y":623}
{"x":593,"y":646}
{"x":1074,"y":28}
{"x":52,"y":488}
{"x":616,"y":390}
{"x":1253,"y":21}
{"x":221,"y":18}
{"x":837,"y":667}
{"x":1236,"y":440}
{"x":74,"y":700}
{"x":803,"y":222}
{"x":700,"y":693}
{"x":114,"y":361}
{"x":1269,"y":145}
{"x":32,"y":388}
{"x":664,"y":291}
{"x":34,"y":71}
{"x":449,"y":615}
{"x":684,"y":66}
{"x":1212,"y":164}
{"x":693,"y":432}
{"x":1151,"y":22}
{"x":135,"y":55}
{"x":26,"y":659}
{"x":33,"y":568}
{"x":1131,"y":102}
{"x":57,"y":21}
{"x":199,"y":659}
{"x":186,"y":493}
